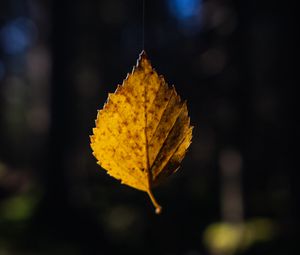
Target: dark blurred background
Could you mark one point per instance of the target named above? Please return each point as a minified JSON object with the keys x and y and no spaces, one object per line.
{"x":231,"y":60}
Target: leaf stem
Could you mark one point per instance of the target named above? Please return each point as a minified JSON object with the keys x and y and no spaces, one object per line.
{"x":158,"y":208}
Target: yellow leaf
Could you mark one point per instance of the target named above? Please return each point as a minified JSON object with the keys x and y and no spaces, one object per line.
{"x":143,"y":130}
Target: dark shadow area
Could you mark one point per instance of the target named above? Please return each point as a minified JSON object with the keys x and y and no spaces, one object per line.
{"x":233,"y":61}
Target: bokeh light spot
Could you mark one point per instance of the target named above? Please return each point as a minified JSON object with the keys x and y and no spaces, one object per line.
{"x":188,"y":13}
{"x":17,"y":208}
{"x":184,"y":9}
{"x":17,"y":36}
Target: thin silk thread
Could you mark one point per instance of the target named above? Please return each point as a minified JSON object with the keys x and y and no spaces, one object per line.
{"x":143,"y":27}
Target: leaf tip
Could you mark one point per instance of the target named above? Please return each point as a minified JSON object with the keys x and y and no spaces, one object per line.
{"x":143,"y":54}
{"x":143,"y":58}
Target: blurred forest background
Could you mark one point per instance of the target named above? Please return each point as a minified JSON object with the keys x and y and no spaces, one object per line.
{"x":231,"y":60}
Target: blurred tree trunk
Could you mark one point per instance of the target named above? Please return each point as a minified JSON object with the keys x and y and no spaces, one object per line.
{"x":57,"y":220}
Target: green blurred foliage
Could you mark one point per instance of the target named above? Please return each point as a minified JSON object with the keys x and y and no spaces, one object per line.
{"x":231,"y":238}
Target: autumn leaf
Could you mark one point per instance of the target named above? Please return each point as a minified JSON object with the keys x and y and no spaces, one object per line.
{"x":143,"y":130}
